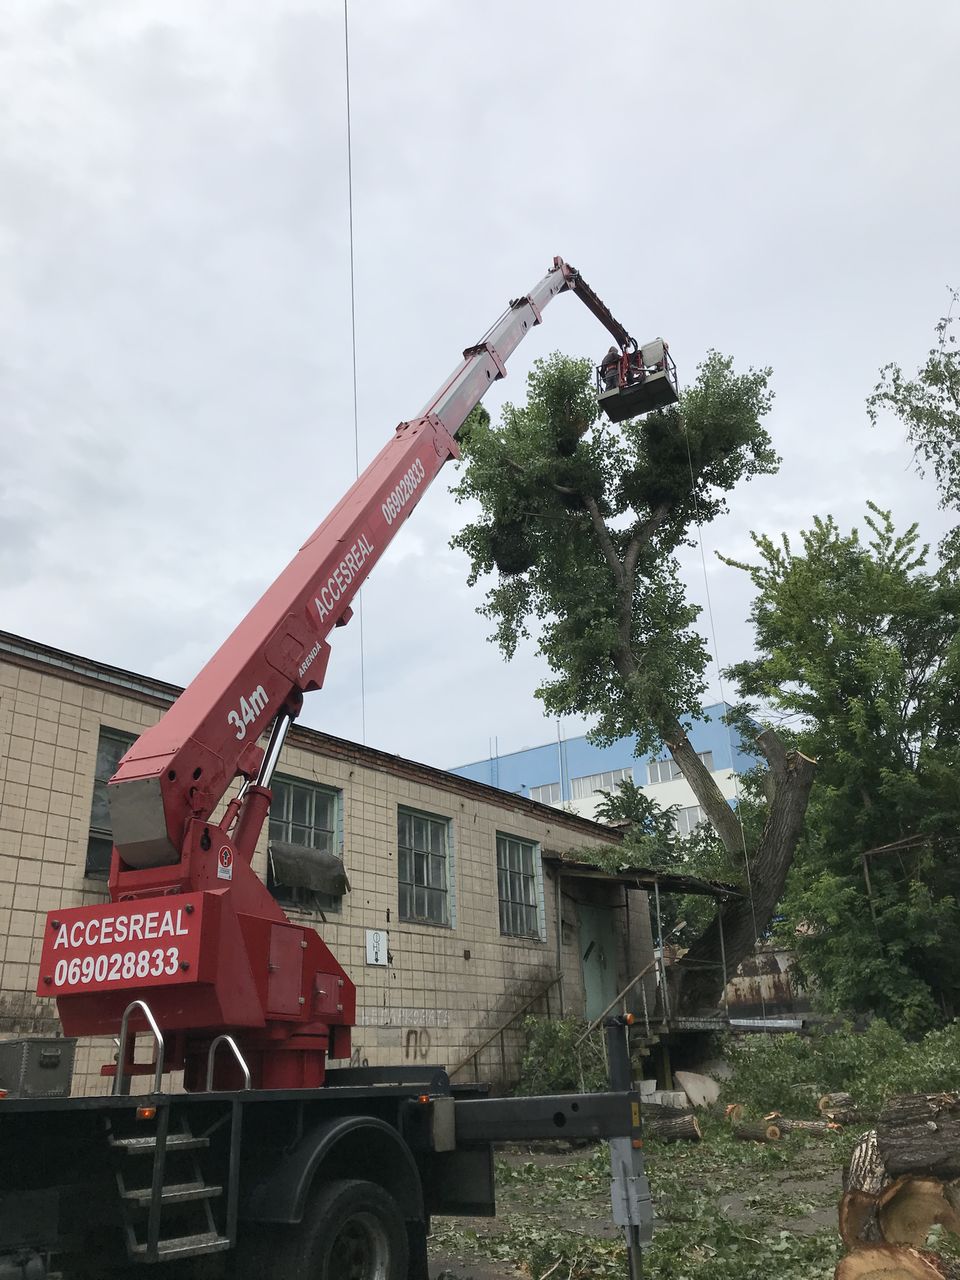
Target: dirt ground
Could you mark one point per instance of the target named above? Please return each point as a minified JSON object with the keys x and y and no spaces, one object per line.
{"x":755,"y":1191}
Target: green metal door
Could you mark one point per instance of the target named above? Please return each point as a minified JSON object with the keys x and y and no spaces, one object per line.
{"x":597,"y":959}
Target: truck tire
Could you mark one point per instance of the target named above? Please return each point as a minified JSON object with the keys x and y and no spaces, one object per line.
{"x":351,"y":1230}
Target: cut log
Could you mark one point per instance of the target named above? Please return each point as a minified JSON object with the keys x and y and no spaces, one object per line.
{"x":920,"y":1133}
{"x":865,"y":1171}
{"x":823,"y":1128}
{"x":889,"y":1262}
{"x":910,"y":1206}
{"x":683,"y":1127}
{"x":734,"y":1112}
{"x":657,"y":1111}
{"x":859,"y":1223}
{"x":758,"y":1131}
{"x":831,"y":1102}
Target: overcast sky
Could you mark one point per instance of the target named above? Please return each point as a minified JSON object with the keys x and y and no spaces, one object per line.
{"x":779,"y":181}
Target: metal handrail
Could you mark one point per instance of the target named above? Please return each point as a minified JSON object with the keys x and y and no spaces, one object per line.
{"x":616,"y":1000}
{"x":211,"y":1054}
{"x":475,"y":1053}
{"x":119,"y":1078}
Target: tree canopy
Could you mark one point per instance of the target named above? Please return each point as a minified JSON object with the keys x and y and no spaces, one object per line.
{"x":582,"y":526}
{"x":928,"y":405}
{"x":580,"y":522}
{"x":858,"y":650}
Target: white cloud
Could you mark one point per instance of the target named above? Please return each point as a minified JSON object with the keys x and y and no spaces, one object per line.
{"x":174,"y":327}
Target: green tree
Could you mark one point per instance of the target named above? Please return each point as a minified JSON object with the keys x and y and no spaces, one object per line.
{"x":928,"y":405}
{"x":580,"y":522}
{"x":858,"y":649}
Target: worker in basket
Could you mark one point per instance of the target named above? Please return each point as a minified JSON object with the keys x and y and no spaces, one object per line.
{"x":610,"y":369}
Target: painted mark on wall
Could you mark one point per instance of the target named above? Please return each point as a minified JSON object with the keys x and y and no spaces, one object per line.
{"x":416,"y":1043}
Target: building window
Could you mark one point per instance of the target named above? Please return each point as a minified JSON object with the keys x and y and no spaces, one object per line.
{"x":549,"y":793}
{"x":518,"y":864}
{"x":303,"y":813}
{"x":423,"y":843}
{"x":687,"y":819}
{"x":581,"y":788}
{"x":668,"y":771}
{"x":113,"y":744}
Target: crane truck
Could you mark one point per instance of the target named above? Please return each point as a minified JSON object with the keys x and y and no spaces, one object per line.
{"x":268,"y":1160}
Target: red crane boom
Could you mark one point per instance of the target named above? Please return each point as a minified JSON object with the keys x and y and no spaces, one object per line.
{"x":211,"y":948}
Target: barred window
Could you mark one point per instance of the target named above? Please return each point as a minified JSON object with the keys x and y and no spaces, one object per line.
{"x":581,"y":788}
{"x":549,"y":793}
{"x":113,"y":744}
{"x":517,"y":887}
{"x":306,"y":814}
{"x":423,"y":844}
{"x":668,"y":771}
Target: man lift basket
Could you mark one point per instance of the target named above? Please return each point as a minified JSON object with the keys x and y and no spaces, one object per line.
{"x":634,"y":381}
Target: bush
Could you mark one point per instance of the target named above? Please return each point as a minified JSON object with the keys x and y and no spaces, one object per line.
{"x":552,"y":1064}
{"x":788,"y":1073}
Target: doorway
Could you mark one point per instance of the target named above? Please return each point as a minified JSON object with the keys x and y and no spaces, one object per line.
{"x":598,"y":959}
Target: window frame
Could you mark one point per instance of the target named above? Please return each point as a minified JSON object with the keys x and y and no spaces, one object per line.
{"x":100,"y":838}
{"x":705,"y":758}
{"x":583,"y":793}
{"x":682,"y":812}
{"x":545,"y":786}
{"x":534,"y":875}
{"x":293,"y":896}
{"x":410,"y":916}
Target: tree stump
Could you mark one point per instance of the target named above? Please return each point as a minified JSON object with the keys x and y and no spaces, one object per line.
{"x":890,"y":1262}
{"x":666,"y":1129}
{"x":883,"y":1218}
{"x":734,"y":1112}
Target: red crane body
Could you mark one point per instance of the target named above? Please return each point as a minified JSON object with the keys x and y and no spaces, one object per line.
{"x":190,"y":927}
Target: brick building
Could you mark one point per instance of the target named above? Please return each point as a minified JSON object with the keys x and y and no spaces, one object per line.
{"x":459,"y":880}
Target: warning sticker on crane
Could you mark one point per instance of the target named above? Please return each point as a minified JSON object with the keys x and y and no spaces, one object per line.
{"x":225,"y":863}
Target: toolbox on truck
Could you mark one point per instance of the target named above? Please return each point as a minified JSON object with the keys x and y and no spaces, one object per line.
{"x":37,"y":1066}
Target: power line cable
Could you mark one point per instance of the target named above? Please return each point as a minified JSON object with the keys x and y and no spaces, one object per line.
{"x":353,"y":341}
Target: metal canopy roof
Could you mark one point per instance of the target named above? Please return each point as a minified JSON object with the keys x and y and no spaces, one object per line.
{"x":645,"y":878}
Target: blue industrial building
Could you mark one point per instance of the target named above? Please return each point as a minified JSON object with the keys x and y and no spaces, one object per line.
{"x":572,"y":770}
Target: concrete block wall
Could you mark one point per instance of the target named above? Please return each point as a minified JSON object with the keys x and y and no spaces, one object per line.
{"x":445,"y":989}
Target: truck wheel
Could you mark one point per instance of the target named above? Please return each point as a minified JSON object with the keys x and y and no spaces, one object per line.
{"x":351,"y":1231}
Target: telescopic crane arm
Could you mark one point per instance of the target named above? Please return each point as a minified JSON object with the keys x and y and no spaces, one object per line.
{"x":190,"y":927}
{"x":181,"y":768}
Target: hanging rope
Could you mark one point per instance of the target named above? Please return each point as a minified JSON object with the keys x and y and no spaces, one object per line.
{"x":353,"y":340}
{"x":723,"y":699}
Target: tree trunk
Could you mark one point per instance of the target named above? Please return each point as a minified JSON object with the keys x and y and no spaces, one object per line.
{"x":866,"y":1171}
{"x":790,"y":778}
{"x":670,"y":1130}
{"x":920,"y":1133}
